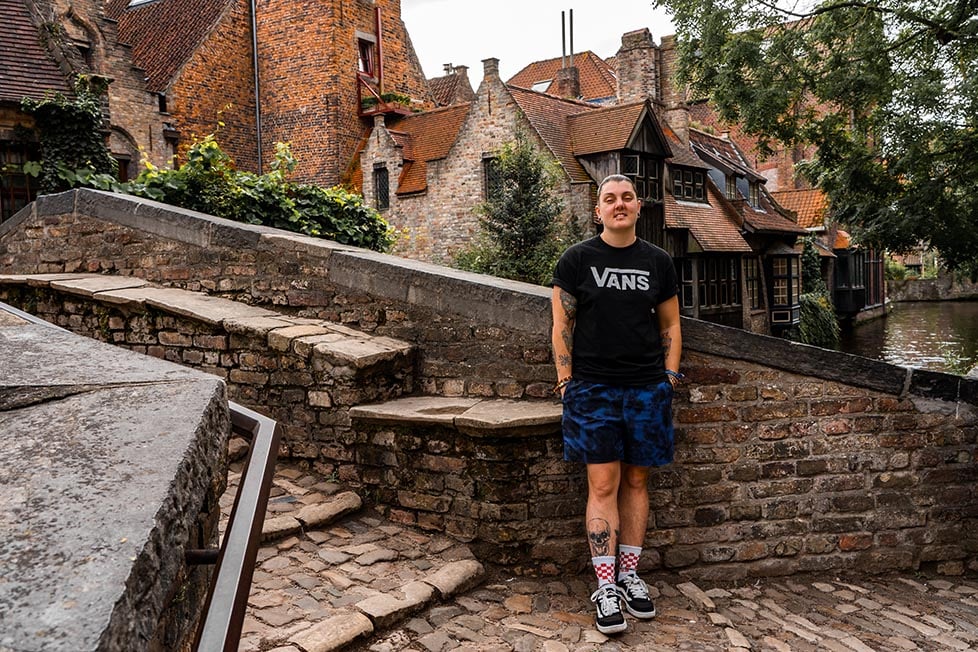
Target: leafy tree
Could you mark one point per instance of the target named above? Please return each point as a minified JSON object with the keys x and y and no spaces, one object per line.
{"x":885,"y":89}
{"x":71,"y":134}
{"x":521,"y":236}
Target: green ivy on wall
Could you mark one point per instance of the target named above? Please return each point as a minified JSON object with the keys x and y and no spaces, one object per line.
{"x":71,"y":134}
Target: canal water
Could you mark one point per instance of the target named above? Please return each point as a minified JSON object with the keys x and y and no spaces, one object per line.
{"x":934,"y":335}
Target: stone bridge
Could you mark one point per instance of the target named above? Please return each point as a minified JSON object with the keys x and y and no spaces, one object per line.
{"x":430,"y":389}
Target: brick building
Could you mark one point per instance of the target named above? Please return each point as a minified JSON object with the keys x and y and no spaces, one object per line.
{"x":50,"y":42}
{"x":273,"y":71}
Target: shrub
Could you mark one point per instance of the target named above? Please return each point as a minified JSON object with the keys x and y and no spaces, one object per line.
{"x":208,"y":182}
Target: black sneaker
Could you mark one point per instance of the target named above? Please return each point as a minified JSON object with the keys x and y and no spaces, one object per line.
{"x":635,"y":594}
{"x":610,"y":619}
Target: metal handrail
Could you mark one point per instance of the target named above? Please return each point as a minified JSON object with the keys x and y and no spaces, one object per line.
{"x":227,"y":597}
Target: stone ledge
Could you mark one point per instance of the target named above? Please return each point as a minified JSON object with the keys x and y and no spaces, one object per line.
{"x":472,"y":416}
{"x":335,"y":343}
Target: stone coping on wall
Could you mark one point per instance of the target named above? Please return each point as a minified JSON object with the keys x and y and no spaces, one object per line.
{"x":305,"y":337}
{"x":471,"y":416}
{"x":483,"y":299}
{"x":109,"y":459}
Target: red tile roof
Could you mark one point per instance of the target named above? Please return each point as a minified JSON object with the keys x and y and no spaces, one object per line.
{"x":605,"y":130}
{"x":714,"y":225}
{"x":165,"y":33}
{"x":549,"y":117}
{"x":810,"y":206}
{"x":424,"y":137}
{"x":681,"y":154}
{"x":27,"y":69}
{"x":722,"y":152}
{"x":452,"y":88}
{"x":598,"y":80}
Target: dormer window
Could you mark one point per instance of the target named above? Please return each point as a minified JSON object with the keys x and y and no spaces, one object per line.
{"x":731,"y":190}
{"x":755,"y":194}
{"x":688,"y":184}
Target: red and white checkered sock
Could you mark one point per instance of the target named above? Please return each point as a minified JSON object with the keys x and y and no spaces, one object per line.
{"x":604,"y":568}
{"x":628,"y":559}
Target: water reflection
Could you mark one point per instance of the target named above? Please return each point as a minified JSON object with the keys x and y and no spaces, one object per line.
{"x":940,"y":336}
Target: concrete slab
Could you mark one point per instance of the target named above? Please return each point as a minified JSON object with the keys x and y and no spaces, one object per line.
{"x":212,"y":310}
{"x":106,"y":458}
{"x":506,"y":414}
{"x":416,"y":409}
{"x":89,"y":286}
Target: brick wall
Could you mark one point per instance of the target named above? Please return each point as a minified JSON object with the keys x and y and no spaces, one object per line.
{"x":309,"y":88}
{"x":790,"y":457}
{"x":215,"y":85}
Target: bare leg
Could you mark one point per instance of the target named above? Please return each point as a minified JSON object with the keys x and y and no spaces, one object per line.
{"x":602,"y":518}
{"x":633,"y":505}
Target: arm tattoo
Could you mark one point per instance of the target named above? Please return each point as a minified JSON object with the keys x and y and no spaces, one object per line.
{"x":666,"y":342}
{"x":569,"y":304}
{"x":599,"y":537}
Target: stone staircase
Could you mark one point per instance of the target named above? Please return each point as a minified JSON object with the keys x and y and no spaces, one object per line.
{"x":330,"y":572}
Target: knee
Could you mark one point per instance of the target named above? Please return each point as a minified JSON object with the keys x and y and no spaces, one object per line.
{"x":635,"y":478}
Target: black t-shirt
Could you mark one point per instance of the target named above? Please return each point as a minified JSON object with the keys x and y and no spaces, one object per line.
{"x":616,"y":330}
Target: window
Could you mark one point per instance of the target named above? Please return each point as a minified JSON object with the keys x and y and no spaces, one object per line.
{"x":755,"y":194}
{"x":646,"y":174}
{"x":731,"y":191}
{"x":17,"y":189}
{"x":688,"y":184}
{"x":786,"y":280}
{"x":719,"y":282}
{"x":753,"y":279}
{"x":492,"y":177}
{"x":382,"y":188}
{"x":366,"y":49}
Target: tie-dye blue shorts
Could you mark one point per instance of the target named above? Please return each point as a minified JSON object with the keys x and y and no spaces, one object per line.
{"x":607,"y":423}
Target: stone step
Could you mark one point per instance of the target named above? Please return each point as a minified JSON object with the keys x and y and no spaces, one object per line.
{"x":344,"y":573}
{"x":333,"y":343}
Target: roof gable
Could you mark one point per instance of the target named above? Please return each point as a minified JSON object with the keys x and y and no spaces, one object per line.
{"x":809,"y":205}
{"x":453,"y":88}
{"x":27,"y":69}
{"x":425,"y":137}
{"x":598,"y":80}
{"x":627,"y":126}
{"x":164,"y":34}
{"x":548,"y":115}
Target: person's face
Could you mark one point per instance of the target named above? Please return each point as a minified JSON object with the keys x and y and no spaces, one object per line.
{"x":618,"y":206}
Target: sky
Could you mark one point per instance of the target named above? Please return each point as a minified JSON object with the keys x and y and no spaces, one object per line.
{"x":518,"y":32}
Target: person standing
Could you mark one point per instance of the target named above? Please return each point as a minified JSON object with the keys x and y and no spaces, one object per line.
{"x":617,"y":345}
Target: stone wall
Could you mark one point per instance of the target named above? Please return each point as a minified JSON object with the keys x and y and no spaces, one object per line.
{"x":947,"y":287}
{"x":113,"y":467}
{"x":790,"y":457}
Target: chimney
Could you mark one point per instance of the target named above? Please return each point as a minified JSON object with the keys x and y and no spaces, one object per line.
{"x":567,"y":83}
{"x":490,"y":68}
{"x":638,"y":67}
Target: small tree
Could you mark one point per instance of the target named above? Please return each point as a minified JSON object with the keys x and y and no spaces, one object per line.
{"x":521,"y":237}
{"x":71,"y":134}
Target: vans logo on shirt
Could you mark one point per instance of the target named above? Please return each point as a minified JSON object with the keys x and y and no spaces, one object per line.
{"x":621,"y":279}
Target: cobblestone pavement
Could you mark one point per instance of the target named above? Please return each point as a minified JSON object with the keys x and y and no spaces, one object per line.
{"x":361,"y":583}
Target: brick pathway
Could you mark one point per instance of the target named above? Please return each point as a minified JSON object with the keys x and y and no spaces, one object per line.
{"x":361,"y":583}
